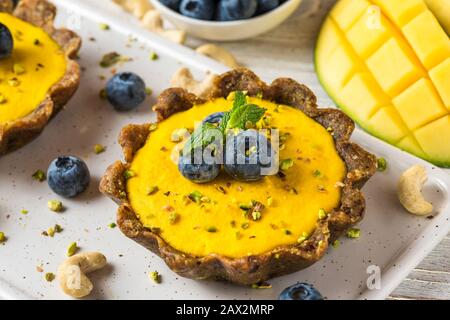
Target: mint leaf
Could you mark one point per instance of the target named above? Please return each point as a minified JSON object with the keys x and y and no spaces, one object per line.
{"x":240,"y":99}
{"x":202,"y":137}
{"x":244,"y":114}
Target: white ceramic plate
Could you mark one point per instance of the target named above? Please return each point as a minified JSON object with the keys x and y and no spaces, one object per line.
{"x":391,"y":239}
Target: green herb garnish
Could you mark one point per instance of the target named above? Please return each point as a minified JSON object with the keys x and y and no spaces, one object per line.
{"x":39,"y":176}
{"x":381,"y":164}
{"x":354,"y":233}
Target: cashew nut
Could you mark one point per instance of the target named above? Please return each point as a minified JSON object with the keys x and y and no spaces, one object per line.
{"x":219,"y":54}
{"x":137,"y":7}
{"x":72,"y":273}
{"x":178,"y":36}
{"x":183,"y":78}
{"x":410,"y":191}
{"x":152,"y":20}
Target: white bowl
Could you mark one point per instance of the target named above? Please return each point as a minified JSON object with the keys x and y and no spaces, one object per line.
{"x":229,"y":30}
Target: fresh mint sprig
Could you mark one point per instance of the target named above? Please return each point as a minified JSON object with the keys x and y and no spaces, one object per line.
{"x":240,"y":116}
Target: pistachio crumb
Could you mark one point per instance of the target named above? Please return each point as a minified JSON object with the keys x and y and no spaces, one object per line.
{"x":381,"y":164}
{"x":155,"y":276}
{"x":104,"y":26}
{"x":322,"y":214}
{"x":154,"y":56}
{"x":55,"y":205}
{"x":102,"y":94}
{"x":2,"y":237}
{"x":211,"y":229}
{"x":148,"y":91}
{"x":128,"y":174}
{"x":49,"y":276}
{"x":336,"y":244}
{"x":72,"y":249}
{"x":238,"y":235}
{"x":173,"y":217}
{"x":98,"y":148}
{"x":153,"y":127}
{"x":317,"y":173}
{"x":112,"y":225}
{"x":245,"y":225}
{"x":39,"y":175}
{"x":195,"y":196}
{"x":353,"y":233}
{"x":24,"y":211}
{"x":256,"y":215}
{"x":287,"y":232}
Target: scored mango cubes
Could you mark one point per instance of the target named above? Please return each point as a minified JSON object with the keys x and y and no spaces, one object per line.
{"x":386,"y":63}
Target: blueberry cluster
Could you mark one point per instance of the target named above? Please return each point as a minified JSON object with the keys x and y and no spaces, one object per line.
{"x":222,"y":10}
{"x":6,"y":42}
{"x":246,"y":154}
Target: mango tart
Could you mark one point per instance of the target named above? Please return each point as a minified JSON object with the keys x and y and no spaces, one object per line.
{"x":242,"y":232}
{"x":41,"y":75}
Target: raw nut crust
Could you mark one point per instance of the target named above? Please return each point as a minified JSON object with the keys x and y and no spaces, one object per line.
{"x":41,"y":13}
{"x":284,"y":259}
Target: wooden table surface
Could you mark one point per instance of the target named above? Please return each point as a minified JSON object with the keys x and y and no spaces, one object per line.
{"x":288,"y":51}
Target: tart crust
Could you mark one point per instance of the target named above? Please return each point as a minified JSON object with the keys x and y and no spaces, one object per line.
{"x":41,"y":13}
{"x":282,"y":260}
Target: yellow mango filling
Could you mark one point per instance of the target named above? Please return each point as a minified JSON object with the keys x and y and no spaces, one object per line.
{"x":216,"y":224}
{"x":386,"y":63}
{"x":36,"y":64}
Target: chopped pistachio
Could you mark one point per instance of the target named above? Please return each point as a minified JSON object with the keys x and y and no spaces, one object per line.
{"x":2,"y":237}
{"x":148,"y":91}
{"x":284,"y":136}
{"x":195,"y":196}
{"x":220,"y":189}
{"x":154,"y":56}
{"x":24,"y":211}
{"x":238,"y":235}
{"x":381,"y":164}
{"x":14,"y":82}
{"x":153,"y":127}
{"x":269,"y":201}
{"x":49,"y":276}
{"x":256,"y":215}
{"x":287,"y":232}
{"x":128,"y":174}
{"x":55,"y":205}
{"x":336,"y":244}
{"x":321,"y":188}
{"x":211,"y":229}
{"x":261,"y":286}
{"x":155,"y":276}
{"x":152,"y":190}
{"x":110,"y":59}
{"x":286,"y":164}
{"x":317,"y":173}
{"x":354,"y":233}
{"x":39,"y":175}
{"x":72,"y":249}
{"x":51,"y":232}
{"x":245,"y":225}
{"x":104,"y":26}
{"x":3,"y":99}
{"x":102,"y":94}
{"x":98,"y":148}
{"x":36,"y":42}
{"x":112,"y":225}
{"x":322,"y":214}
{"x":173,"y":217}
{"x":245,"y":206}
{"x":303,"y":237}
{"x":18,"y":68}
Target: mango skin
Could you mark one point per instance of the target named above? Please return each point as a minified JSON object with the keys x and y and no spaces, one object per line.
{"x":393,"y":79}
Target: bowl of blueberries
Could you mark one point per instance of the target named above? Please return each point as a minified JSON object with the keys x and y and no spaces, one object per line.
{"x":226,"y":20}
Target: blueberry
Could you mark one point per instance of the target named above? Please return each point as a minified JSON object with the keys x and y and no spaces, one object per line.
{"x":172,"y":4}
{"x":215,"y":118}
{"x":267,"y":5}
{"x":198,"y":9}
{"x":229,"y":10}
{"x":68,"y":176}
{"x":6,"y":42}
{"x":300,"y":291}
{"x":247,"y":154}
{"x":125,"y":91}
{"x":193,"y":167}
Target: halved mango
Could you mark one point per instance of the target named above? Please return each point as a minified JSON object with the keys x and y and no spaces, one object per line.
{"x":392,"y":76}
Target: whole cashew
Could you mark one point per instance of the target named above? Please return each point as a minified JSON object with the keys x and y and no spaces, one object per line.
{"x":183,"y":78}
{"x":72,"y":273}
{"x":410,"y":191}
{"x":137,"y":7}
{"x":152,"y":20}
{"x":219,"y":54}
